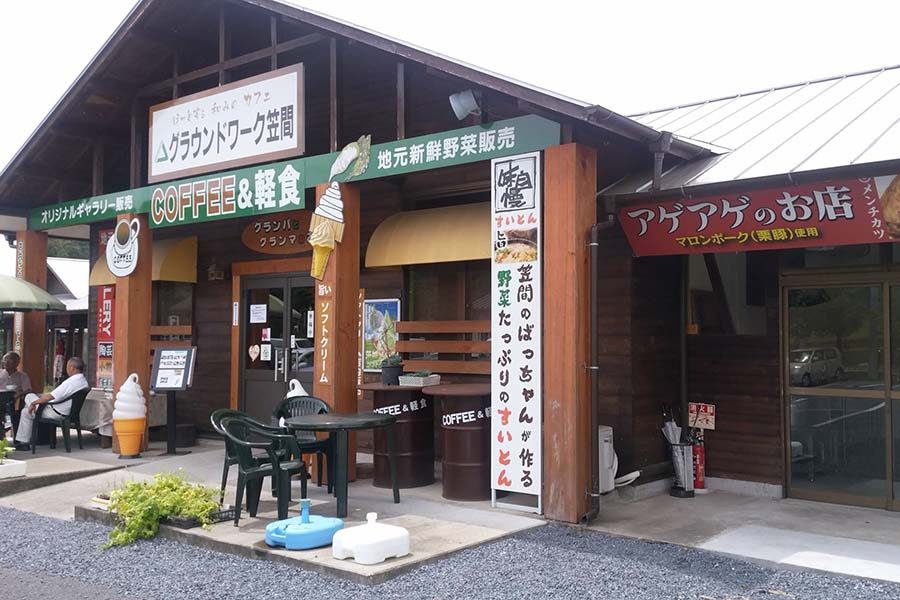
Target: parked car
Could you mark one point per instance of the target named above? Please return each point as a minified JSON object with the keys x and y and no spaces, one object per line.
{"x":813,"y":366}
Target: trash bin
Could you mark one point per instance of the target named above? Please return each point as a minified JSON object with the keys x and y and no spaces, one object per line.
{"x":466,"y":432}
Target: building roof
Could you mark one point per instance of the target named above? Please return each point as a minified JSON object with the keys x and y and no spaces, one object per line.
{"x":137,"y":56}
{"x":806,"y":128}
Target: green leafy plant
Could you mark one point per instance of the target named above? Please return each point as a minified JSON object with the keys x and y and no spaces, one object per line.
{"x":421,"y":373}
{"x":141,"y":504}
{"x":394,"y":360}
{"x":5,"y":450}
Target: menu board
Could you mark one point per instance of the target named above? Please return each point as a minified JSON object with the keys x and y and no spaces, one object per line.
{"x":173,"y":369}
{"x":516,"y":392}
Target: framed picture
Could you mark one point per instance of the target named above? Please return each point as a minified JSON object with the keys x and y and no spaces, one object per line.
{"x":379,"y":331}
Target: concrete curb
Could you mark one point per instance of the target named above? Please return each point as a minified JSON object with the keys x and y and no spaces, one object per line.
{"x":16,"y":485}
{"x":261,"y":551}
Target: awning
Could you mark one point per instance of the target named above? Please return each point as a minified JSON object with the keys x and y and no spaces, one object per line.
{"x":434,"y":235}
{"x":173,"y":260}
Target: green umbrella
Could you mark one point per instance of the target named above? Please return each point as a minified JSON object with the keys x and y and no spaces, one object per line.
{"x":18,"y":295}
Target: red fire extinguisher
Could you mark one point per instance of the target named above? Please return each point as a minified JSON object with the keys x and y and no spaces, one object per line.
{"x":699,"y":463}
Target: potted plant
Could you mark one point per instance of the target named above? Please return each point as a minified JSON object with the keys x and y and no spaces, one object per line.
{"x":420,"y":379}
{"x":391,"y":368}
{"x":9,"y":467}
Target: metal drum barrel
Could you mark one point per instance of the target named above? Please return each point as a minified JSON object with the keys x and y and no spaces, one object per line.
{"x":413,"y":436}
{"x":466,"y":428}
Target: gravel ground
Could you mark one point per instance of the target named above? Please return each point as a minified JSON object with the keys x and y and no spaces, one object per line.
{"x":548,"y":562}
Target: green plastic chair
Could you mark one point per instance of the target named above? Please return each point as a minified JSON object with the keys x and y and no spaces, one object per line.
{"x":64,"y":422}
{"x":301,"y":406}
{"x":284,"y":462}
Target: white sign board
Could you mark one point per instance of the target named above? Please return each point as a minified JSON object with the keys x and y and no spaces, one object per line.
{"x":254,"y":120}
{"x":173,"y":369}
{"x":516,"y":392}
{"x":258,"y":313}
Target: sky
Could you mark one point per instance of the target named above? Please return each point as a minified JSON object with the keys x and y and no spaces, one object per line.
{"x":627,"y":56}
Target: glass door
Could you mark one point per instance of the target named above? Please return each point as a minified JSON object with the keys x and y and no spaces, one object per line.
{"x":277,"y":341}
{"x":839,"y":415}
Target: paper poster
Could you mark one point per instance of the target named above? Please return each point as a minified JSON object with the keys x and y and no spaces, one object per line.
{"x":310,"y":324}
{"x":258,"y":313}
{"x":379,"y":331}
{"x":172,"y":368}
{"x":265,"y":352}
{"x":266,"y":334}
{"x":516,"y":391}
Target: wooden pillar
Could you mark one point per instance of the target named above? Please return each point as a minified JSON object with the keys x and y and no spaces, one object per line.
{"x":337,"y":314}
{"x":29,"y":329}
{"x":570,"y":178}
{"x":131,"y":351}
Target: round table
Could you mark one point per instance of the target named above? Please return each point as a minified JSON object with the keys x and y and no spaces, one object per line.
{"x":414,"y":432}
{"x":466,"y":439}
{"x":338,"y":424}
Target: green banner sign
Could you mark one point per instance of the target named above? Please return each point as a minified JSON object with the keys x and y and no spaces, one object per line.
{"x":279,"y":186}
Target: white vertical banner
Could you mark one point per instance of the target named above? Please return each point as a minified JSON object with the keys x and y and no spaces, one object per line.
{"x":516,"y":392}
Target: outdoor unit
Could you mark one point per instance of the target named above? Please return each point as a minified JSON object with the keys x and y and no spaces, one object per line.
{"x":609,"y":463}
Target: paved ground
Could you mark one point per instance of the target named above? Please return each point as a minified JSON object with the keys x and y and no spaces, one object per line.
{"x":62,"y":559}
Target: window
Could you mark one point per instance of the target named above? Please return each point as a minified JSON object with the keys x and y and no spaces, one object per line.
{"x":173,"y":303}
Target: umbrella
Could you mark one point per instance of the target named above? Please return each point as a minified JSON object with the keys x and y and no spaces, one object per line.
{"x":18,"y":295}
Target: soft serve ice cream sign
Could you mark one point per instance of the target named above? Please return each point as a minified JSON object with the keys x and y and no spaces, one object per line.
{"x":326,"y":228}
{"x":122,"y":249}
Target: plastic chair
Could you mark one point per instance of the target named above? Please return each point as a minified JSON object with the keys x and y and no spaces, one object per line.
{"x":65,"y":422}
{"x":284,"y":462}
{"x":301,"y":406}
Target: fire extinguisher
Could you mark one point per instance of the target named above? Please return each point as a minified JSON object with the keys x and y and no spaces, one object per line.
{"x":699,"y":462}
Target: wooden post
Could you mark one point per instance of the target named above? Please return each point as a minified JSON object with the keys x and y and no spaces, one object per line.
{"x":570,"y":179}
{"x":337,"y":310}
{"x":29,"y":329}
{"x":131,"y":351}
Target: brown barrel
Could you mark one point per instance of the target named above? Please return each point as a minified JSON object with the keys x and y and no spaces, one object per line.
{"x":413,"y":436}
{"x":466,"y":430}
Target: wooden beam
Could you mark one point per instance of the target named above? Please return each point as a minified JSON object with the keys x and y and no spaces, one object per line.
{"x":29,"y":329}
{"x":54,"y":173}
{"x":97,"y":165}
{"x":570,"y":180}
{"x":401,"y":101}
{"x":223,"y":45}
{"x":273,"y":35}
{"x":231,"y":63}
{"x":718,"y":288}
{"x":444,"y":326}
{"x":176,"y":87}
{"x":134,"y":176}
{"x":334,"y":99}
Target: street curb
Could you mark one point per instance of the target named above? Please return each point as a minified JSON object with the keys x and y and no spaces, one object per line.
{"x":17,"y":485}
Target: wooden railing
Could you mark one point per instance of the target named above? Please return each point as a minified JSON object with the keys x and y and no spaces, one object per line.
{"x":170,"y":336}
{"x":464,"y":341}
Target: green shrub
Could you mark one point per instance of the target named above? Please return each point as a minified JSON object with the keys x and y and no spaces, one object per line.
{"x":141,"y":504}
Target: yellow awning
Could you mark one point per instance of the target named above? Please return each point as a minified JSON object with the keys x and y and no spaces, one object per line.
{"x":432,"y":235}
{"x":173,"y":260}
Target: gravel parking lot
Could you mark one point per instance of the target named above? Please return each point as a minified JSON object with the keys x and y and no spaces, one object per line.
{"x":548,"y":562}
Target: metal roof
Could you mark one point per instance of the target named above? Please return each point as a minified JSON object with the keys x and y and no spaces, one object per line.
{"x":808,"y":127}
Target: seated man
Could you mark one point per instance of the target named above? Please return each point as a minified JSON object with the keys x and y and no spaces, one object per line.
{"x":11,"y":379}
{"x":75,"y":382}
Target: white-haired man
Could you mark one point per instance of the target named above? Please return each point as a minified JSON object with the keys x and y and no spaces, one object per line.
{"x":75,"y":382}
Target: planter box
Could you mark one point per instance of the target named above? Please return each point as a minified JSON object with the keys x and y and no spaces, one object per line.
{"x":225,"y":514}
{"x":413,"y":381}
{"x":12,"y":468}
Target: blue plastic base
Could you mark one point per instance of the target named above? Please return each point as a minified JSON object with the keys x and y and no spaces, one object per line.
{"x":294,"y":534}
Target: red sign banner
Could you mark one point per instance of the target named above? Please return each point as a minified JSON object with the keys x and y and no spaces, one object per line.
{"x":836,"y":213}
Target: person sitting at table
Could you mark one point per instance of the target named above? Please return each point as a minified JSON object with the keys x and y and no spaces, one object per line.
{"x":12,"y":379}
{"x":75,"y":382}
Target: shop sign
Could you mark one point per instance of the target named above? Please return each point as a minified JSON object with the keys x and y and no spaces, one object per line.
{"x":249,"y":121}
{"x":275,"y":188}
{"x":701,"y":416}
{"x":173,"y":369}
{"x":516,"y":392}
{"x":283,"y":233}
{"x":267,"y":189}
{"x":324,"y":325}
{"x":122,"y":248}
{"x":106,"y":323}
{"x":834,"y":213}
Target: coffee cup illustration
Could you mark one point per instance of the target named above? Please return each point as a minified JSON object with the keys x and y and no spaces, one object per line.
{"x":122,"y":248}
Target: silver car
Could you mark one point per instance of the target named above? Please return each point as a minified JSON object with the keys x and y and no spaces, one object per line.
{"x":814,"y":366}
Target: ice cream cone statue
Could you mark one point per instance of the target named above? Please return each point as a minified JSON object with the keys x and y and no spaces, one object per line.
{"x":130,"y":417}
{"x":326,"y":228}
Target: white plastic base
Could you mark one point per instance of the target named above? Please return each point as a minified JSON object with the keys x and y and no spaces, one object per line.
{"x":371,"y":543}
